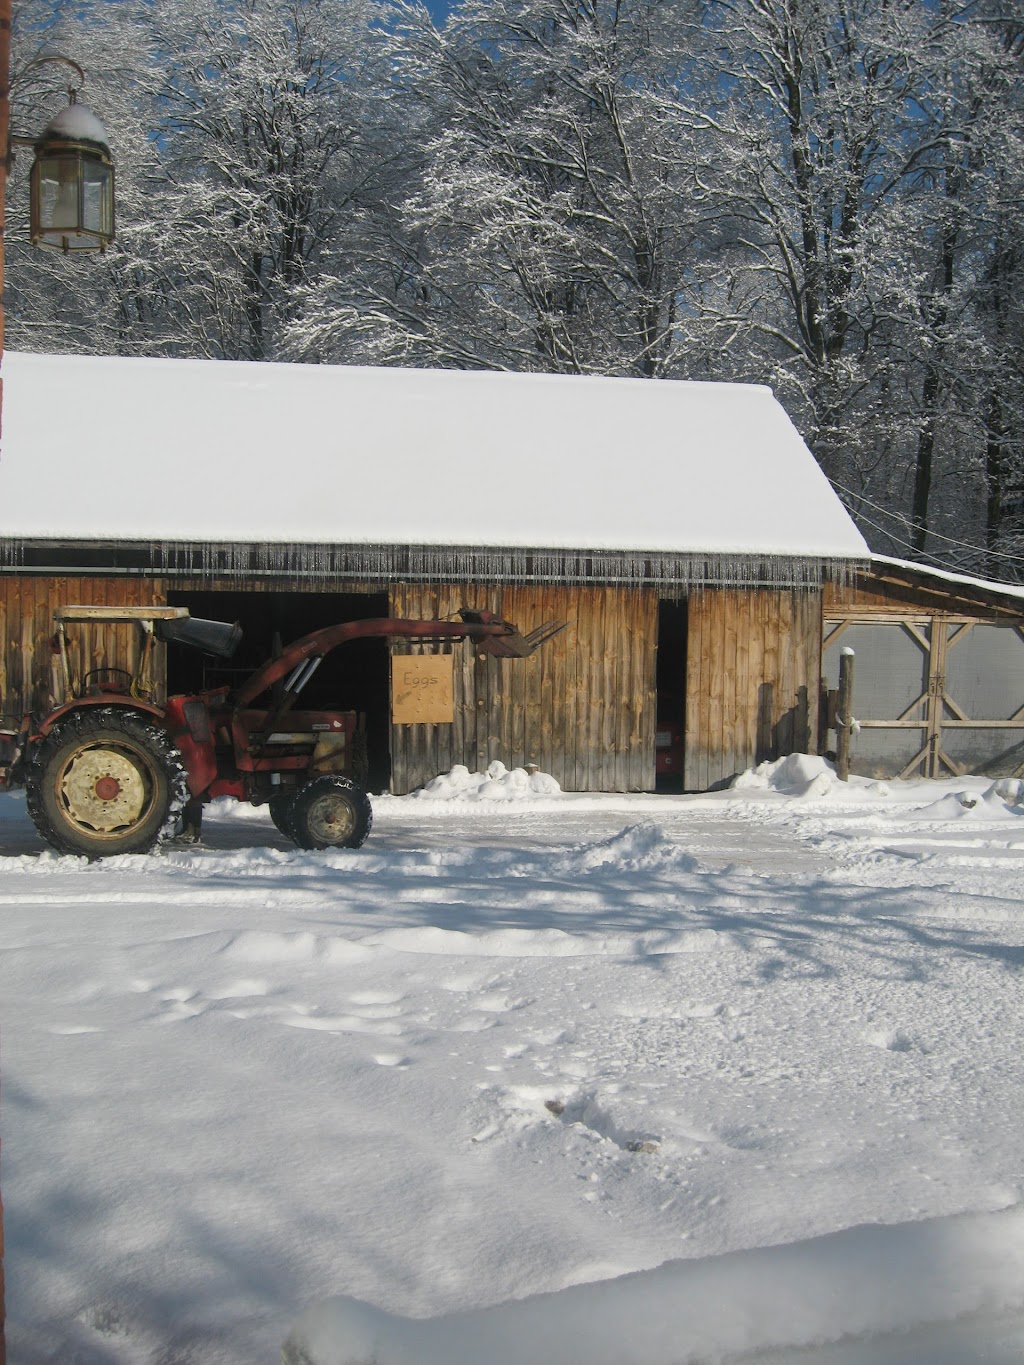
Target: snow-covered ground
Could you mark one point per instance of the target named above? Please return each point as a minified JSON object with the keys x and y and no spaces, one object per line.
{"x":768,"y":1040}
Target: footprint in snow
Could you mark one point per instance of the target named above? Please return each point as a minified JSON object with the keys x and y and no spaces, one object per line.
{"x":892,"y":1040}
{"x":344,"y":1023}
{"x":523,"y":1107}
{"x":462,"y":984}
{"x":181,"y":1004}
{"x":376,"y":997}
{"x":240,"y":990}
{"x":496,"y":1002}
{"x":590,"y":1114}
{"x":473,"y":1023}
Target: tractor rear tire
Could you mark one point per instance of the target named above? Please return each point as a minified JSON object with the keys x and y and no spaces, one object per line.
{"x":279,"y":807}
{"x":330,"y":812}
{"x":106,"y":780}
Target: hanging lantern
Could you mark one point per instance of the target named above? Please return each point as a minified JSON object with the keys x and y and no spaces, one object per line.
{"x":72,"y":183}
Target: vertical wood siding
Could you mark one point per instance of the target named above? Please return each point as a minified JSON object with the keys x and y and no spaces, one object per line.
{"x":29,"y":668}
{"x":752,"y":680}
{"x":582,"y":708}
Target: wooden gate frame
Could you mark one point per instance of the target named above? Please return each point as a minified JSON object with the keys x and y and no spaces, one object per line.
{"x":936,"y":640}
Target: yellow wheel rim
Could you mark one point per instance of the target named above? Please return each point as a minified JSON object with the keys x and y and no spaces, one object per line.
{"x":103,"y":789}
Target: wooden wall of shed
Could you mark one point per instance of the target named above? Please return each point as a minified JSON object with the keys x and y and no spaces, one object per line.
{"x":29,"y":673}
{"x":27,"y":603}
{"x":583,"y":708}
{"x":752,"y":680}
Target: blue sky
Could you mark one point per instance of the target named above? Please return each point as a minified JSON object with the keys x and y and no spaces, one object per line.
{"x":439,"y":9}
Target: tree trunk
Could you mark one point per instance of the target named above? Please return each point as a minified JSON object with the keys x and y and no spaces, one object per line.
{"x":937,"y":313}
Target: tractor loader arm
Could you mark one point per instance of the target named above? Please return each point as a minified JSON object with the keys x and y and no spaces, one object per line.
{"x":493,"y":635}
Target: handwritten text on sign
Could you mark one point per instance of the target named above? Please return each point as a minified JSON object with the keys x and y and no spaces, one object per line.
{"x":421,"y":689}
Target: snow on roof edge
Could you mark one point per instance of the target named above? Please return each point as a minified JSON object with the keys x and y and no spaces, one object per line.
{"x":1015,"y":590}
{"x":222,"y":559}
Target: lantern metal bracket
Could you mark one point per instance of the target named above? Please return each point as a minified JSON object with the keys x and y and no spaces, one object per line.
{"x":65,"y":61}
{"x":16,"y":139}
{"x":71,"y":183}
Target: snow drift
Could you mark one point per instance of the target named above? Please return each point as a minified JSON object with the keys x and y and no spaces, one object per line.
{"x":860,"y":1282}
{"x":496,"y":784}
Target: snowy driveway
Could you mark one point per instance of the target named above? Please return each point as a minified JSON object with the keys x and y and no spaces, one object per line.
{"x":498,"y":1051}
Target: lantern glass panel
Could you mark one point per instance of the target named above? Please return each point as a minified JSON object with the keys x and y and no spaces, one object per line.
{"x":58,"y":193}
{"x":97,"y":199}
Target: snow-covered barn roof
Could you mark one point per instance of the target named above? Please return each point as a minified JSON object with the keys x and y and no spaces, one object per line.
{"x":215,"y":453}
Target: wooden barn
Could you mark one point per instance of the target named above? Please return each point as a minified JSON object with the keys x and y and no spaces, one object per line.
{"x":682,"y":531}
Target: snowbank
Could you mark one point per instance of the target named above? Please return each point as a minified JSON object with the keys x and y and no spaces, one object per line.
{"x":802,"y":775}
{"x":852,"y":1284}
{"x":496,"y":784}
{"x":808,"y":776}
{"x":796,"y":774}
{"x":637,"y":848}
{"x":1002,"y":800}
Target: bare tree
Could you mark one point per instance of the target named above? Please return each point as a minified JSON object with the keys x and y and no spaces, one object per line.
{"x":264,"y":109}
{"x":554,"y":209}
{"x":823,"y":195}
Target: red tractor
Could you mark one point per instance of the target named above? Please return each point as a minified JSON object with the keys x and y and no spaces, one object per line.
{"x":110,"y":771}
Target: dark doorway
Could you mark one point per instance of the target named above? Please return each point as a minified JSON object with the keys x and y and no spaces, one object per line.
{"x":353,"y":678}
{"x":671,"y":687}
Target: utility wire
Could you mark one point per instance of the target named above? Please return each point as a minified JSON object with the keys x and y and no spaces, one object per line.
{"x":897,"y":516}
{"x":920,"y":556}
{"x":929,"y":561}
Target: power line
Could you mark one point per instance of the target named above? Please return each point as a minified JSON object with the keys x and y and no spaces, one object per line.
{"x":919,"y":555}
{"x":935,"y":535}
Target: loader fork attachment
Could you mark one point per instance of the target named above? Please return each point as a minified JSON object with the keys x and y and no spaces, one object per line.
{"x":515,"y":645}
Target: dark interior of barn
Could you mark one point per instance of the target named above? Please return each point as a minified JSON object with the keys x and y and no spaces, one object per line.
{"x":352,"y":678}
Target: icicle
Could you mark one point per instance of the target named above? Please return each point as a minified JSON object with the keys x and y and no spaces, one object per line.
{"x":438,"y":565}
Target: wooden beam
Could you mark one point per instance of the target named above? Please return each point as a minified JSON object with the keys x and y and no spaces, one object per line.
{"x":120,"y":614}
{"x":5,"y":141}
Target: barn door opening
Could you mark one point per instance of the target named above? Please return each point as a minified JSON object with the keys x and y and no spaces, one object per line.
{"x":353,"y":678}
{"x":671,"y":690}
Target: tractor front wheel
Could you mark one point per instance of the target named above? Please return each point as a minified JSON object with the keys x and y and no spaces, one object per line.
{"x":330,"y":812}
{"x":106,"y":780}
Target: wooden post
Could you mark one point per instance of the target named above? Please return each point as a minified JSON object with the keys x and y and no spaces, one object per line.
{"x":5,"y":146}
{"x":844,"y":715}
{"x":5,"y":142}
